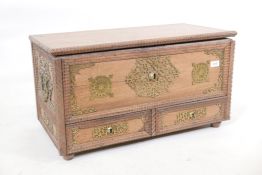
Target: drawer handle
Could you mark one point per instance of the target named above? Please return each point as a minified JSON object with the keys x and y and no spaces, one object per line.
{"x":192,"y":114}
{"x":152,"y":76}
{"x":109,"y":130}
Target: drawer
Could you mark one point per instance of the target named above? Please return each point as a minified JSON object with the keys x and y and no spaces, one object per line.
{"x":175,"y":118}
{"x":107,"y":131}
{"x":119,"y":80}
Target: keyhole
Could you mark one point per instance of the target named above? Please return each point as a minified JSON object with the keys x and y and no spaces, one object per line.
{"x":109,"y":130}
{"x":152,"y":76}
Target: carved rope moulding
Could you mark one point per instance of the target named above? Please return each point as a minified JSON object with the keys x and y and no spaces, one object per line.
{"x":152,"y":76}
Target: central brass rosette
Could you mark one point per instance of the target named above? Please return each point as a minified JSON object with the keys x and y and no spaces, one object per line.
{"x":152,"y":76}
{"x":100,"y":87}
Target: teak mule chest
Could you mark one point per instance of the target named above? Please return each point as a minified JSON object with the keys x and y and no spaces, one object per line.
{"x":103,"y":87}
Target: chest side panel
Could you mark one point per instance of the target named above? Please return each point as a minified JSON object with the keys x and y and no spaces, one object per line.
{"x":48,"y":92}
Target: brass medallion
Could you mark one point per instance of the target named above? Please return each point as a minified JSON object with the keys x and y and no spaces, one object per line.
{"x":152,"y":76}
{"x":46,"y":82}
{"x":200,"y":73}
{"x":100,"y":87}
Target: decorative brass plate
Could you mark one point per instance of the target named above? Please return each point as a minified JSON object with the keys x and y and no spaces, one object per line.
{"x":100,"y":87}
{"x":75,"y":108}
{"x":110,"y":129}
{"x":194,"y":114}
{"x":219,"y":53}
{"x":74,"y":135}
{"x":200,"y":72}
{"x":152,"y":76}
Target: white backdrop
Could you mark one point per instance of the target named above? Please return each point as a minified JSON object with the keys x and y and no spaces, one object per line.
{"x":233,"y":149}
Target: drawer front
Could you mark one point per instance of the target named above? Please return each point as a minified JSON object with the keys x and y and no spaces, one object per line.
{"x":117,"y":80}
{"x":171,"y":119}
{"x":101,"y":132}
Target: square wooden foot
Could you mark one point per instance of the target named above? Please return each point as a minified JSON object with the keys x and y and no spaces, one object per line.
{"x":69,"y":157}
{"x":215,"y":125}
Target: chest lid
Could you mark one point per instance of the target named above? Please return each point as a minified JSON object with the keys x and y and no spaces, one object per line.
{"x":59,"y":44}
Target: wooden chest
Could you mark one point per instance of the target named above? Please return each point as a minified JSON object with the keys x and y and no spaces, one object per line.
{"x":104,"y":87}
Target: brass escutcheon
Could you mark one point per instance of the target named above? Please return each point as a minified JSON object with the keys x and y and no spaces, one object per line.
{"x":152,"y":76}
{"x":192,"y":114}
{"x":110,"y":130}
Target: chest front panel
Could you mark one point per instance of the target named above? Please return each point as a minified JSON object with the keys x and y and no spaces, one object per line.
{"x":117,"y":80}
{"x":120,"y":80}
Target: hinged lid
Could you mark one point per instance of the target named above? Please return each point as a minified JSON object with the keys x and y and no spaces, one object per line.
{"x":111,"y":39}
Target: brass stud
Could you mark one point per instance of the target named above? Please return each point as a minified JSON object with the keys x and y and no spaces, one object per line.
{"x":152,"y":76}
{"x":110,"y":130}
{"x":192,"y":114}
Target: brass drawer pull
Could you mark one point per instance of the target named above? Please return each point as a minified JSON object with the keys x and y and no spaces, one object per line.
{"x":192,"y":114}
{"x":110,"y":130}
{"x":152,"y":76}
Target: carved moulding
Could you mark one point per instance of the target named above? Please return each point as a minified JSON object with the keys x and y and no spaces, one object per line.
{"x":220,"y":53}
{"x":75,"y":109}
{"x":152,"y":76}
